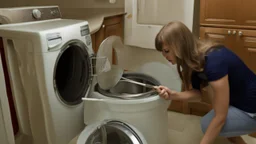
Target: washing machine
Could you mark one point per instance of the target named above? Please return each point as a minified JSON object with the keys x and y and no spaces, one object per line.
{"x":111,"y":132}
{"x":51,"y":61}
{"x":14,"y":109}
{"x":130,"y":103}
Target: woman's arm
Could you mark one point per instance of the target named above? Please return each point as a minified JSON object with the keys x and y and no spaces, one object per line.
{"x":191,"y":95}
{"x":220,"y":105}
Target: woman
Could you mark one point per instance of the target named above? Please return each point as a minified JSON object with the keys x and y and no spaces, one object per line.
{"x":204,"y":62}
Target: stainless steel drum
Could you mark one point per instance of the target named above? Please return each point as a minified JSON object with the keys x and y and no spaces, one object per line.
{"x":127,"y":90}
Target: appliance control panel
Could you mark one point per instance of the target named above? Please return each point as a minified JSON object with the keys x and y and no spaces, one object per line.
{"x":29,"y":14}
{"x":84,"y":30}
{"x":46,"y":13}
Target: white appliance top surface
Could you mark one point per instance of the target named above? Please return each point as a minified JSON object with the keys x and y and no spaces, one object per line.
{"x":27,"y":7}
{"x":40,"y":25}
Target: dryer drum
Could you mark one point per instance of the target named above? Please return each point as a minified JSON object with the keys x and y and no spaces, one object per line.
{"x":72,"y":74}
{"x":126,"y":90}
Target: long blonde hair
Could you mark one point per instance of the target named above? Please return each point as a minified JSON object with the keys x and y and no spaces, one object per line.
{"x":188,"y":50}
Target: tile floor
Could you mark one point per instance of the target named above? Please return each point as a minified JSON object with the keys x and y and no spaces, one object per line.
{"x":185,"y":129}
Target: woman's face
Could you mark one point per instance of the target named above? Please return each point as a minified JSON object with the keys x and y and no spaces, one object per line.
{"x":168,"y":54}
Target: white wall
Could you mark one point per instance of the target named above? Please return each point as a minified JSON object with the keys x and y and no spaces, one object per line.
{"x":133,"y":57}
{"x":13,"y":3}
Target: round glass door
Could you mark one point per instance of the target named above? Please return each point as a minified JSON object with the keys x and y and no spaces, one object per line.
{"x":114,"y":132}
{"x":72,"y":74}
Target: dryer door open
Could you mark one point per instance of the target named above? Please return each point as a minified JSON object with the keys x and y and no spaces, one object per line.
{"x":110,"y":132}
{"x":72,"y":74}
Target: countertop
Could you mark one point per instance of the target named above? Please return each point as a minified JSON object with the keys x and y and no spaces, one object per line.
{"x":94,"y":16}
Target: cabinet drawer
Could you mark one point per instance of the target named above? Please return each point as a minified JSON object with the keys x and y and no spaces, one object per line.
{"x":113,"y":20}
{"x":199,"y":108}
{"x":219,"y":12}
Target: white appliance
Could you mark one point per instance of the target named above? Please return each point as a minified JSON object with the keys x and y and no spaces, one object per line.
{"x":50,"y":61}
{"x":111,"y":132}
{"x":148,"y":115}
{"x":14,"y":109}
{"x":6,"y":131}
{"x":145,"y":18}
{"x":130,"y":103}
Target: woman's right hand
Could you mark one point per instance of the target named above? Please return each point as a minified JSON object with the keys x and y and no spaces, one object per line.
{"x":166,"y":93}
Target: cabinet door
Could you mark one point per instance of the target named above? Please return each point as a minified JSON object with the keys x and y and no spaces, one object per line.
{"x":253,"y":135}
{"x":114,"y":26}
{"x":199,"y":108}
{"x":108,"y":29}
{"x":115,"y":29}
{"x":247,"y":12}
{"x":205,"y":105}
{"x":111,"y":26}
{"x":247,"y":47}
{"x":221,"y":35}
{"x":223,"y":12}
{"x":228,"y":38}
{"x":248,"y":43}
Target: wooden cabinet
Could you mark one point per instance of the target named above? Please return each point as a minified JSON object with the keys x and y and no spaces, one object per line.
{"x":233,"y":23}
{"x":111,"y":26}
{"x":219,"y":11}
{"x":247,"y":12}
{"x":240,"y":41}
{"x":195,"y":108}
{"x":221,"y":35}
{"x":229,"y":13}
{"x":246,"y":42}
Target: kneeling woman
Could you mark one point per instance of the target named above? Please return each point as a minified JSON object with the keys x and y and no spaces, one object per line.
{"x":233,"y":83}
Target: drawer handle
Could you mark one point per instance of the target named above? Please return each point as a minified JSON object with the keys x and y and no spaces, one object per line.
{"x":229,"y":32}
{"x":234,"y":32}
{"x":103,"y":26}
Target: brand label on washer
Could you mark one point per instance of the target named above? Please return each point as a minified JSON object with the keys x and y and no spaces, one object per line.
{"x":84,"y":30}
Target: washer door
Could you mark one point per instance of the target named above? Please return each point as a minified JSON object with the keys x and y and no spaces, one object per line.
{"x":72,"y":74}
{"x":110,"y":132}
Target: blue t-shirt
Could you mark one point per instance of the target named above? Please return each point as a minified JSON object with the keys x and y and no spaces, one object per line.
{"x":242,"y":81}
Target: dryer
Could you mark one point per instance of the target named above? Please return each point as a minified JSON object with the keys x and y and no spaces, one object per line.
{"x":14,"y":109}
{"x":51,"y":61}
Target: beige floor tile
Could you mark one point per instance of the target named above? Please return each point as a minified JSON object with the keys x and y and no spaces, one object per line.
{"x":177,"y":121}
{"x":185,"y":129}
{"x":249,"y":139}
{"x":176,"y":137}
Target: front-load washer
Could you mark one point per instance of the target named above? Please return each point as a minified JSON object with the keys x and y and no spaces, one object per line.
{"x":14,"y":109}
{"x":139,"y":106}
{"x":51,"y":61}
